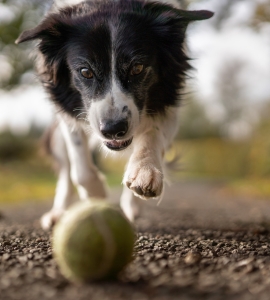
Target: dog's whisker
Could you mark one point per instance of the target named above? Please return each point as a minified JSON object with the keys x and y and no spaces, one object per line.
{"x":84,"y":119}
{"x":106,"y":154}
{"x":81,"y":114}
{"x":88,"y":131}
{"x":78,"y":108}
{"x":101,"y":148}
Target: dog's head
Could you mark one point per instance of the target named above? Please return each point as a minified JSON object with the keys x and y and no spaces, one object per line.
{"x":114,"y":62}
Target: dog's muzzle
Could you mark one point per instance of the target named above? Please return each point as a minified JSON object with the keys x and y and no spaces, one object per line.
{"x":114,"y":132}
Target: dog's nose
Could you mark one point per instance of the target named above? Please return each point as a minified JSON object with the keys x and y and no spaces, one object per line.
{"x":114,"y":129}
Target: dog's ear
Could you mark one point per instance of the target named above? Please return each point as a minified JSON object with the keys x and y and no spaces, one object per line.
{"x":167,"y":13}
{"x":194,"y":15}
{"x":51,"y":29}
{"x":43,"y":30}
{"x":53,"y":33}
{"x":28,"y":35}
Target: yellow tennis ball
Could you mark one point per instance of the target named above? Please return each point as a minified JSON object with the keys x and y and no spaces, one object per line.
{"x":93,"y":241}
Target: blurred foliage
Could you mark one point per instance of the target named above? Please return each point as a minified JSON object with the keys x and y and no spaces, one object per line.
{"x":15,"y":60}
{"x":26,"y":180}
{"x":194,"y":122}
{"x":262,"y":13}
{"x":25,"y":173}
{"x":215,"y":157}
{"x":249,"y":187}
{"x":15,"y":147}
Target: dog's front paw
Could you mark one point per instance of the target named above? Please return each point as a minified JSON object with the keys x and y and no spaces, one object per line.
{"x":49,"y":219}
{"x":145,"y":181}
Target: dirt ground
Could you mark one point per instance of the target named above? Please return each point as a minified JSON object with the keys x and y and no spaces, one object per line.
{"x":199,"y":243}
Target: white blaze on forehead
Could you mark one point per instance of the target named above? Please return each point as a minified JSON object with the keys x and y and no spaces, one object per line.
{"x":120,"y":99}
{"x":116,"y":105}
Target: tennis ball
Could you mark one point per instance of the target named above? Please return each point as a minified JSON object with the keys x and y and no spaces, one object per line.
{"x":93,"y":241}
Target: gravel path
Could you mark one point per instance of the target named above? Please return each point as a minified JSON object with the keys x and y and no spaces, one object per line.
{"x":199,"y":243}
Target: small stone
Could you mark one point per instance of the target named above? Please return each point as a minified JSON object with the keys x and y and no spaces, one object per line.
{"x":22,"y":259}
{"x":6,"y":256}
{"x":193,"y":257}
{"x":30,"y":256}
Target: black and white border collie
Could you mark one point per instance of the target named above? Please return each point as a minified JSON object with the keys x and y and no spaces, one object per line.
{"x":115,"y":71}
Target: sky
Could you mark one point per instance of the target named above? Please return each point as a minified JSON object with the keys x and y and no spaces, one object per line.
{"x":211,"y":49}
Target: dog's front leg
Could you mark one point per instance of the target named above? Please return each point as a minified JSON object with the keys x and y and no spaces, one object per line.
{"x":84,"y":174}
{"x":64,"y":188}
{"x":144,"y":175}
{"x":76,"y":168}
{"x":130,"y":204}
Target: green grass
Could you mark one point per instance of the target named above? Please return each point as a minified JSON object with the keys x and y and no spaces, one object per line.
{"x":245,"y":167}
{"x":25,"y":181}
{"x":250,"y":187}
{"x":34,"y":180}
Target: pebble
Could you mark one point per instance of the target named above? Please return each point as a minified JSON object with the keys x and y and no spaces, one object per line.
{"x":193,"y":257}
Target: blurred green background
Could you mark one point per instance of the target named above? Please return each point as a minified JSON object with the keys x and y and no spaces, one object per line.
{"x":224,"y":133}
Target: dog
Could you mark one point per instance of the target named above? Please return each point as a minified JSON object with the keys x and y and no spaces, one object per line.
{"x":115,"y":71}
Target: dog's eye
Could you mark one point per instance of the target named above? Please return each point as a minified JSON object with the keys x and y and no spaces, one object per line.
{"x":136,"y":69}
{"x":86,"y":73}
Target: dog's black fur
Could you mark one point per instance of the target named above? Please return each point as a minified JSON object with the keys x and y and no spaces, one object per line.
{"x":148,"y":33}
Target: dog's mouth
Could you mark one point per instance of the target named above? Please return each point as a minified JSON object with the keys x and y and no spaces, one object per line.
{"x":118,"y":145}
